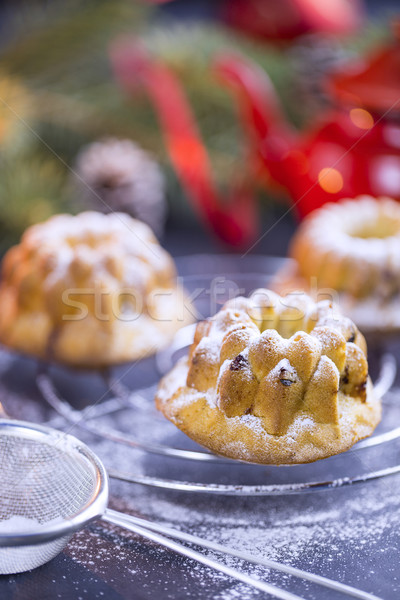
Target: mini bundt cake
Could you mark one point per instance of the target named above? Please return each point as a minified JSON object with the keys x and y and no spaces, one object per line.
{"x":89,"y":290}
{"x":273,"y":380}
{"x":353,"y":248}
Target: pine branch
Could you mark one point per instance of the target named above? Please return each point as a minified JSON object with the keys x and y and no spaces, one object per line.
{"x":31,"y":189}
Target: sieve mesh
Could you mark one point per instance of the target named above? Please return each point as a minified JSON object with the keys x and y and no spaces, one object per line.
{"x":50,"y":479}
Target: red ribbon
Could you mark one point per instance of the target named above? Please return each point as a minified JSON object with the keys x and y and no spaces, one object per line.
{"x":234,"y":219}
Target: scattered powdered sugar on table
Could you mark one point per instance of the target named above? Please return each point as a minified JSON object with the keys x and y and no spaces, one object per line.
{"x":319,"y":533}
{"x":346,"y":534}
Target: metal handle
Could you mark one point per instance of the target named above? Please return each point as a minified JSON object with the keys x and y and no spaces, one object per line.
{"x":136,"y":523}
{"x":129,"y":523}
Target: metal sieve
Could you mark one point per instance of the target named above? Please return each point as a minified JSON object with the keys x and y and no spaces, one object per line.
{"x":53,"y":480}
{"x":55,"y":483}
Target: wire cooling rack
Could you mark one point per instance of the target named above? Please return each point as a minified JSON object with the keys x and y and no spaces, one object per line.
{"x":163,"y":457}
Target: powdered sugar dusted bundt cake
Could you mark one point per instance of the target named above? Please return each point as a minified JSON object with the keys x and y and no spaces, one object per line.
{"x":352,"y":247}
{"x":273,"y":380}
{"x":89,"y":290}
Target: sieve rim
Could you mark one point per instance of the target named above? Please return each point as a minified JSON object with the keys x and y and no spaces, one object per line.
{"x":92,"y":509}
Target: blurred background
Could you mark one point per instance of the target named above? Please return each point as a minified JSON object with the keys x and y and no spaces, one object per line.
{"x":160,"y":109}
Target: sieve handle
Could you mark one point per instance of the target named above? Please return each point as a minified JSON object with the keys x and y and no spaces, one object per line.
{"x":125,"y":522}
{"x":142,"y":527}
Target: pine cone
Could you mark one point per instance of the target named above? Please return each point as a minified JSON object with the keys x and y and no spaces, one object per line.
{"x":117,"y":175}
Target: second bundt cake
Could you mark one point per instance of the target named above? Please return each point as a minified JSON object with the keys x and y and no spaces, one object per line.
{"x":351,"y":248}
{"x":90,"y":290}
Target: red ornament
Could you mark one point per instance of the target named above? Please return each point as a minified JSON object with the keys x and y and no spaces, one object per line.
{"x":287,"y":19}
{"x":352,"y":150}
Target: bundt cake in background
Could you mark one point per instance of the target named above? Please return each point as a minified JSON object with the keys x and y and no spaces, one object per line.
{"x":89,"y":290}
{"x":274,"y":380}
{"x":352,"y":248}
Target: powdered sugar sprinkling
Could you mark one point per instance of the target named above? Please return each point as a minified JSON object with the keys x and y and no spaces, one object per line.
{"x":18,"y":524}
